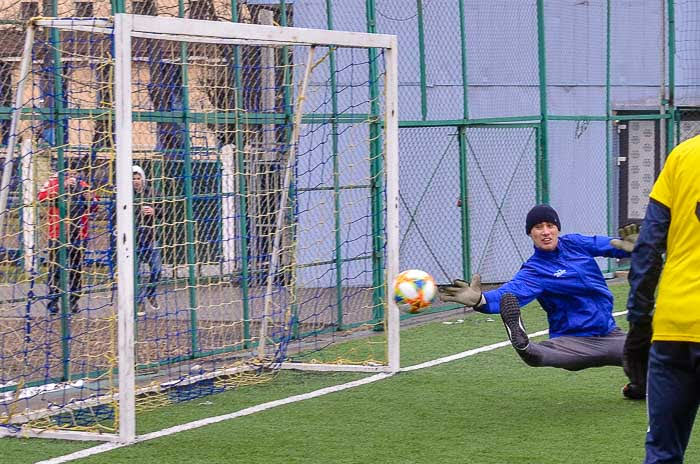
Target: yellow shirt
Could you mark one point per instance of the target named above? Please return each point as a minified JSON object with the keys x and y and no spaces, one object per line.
{"x":677,"y":314}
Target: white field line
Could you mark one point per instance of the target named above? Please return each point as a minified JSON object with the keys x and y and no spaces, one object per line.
{"x":212,"y":420}
{"x":273,"y":404}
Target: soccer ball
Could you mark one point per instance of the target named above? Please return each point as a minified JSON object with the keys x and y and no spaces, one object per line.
{"x":414,"y":290}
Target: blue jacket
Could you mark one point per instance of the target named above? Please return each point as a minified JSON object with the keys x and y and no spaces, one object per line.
{"x":568,"y":284}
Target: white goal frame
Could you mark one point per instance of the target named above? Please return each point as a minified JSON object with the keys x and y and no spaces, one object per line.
{"x":125,"y":27}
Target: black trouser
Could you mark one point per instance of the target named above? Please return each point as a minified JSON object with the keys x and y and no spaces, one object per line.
{"x":148,"y":252}
{"x":74,"y":267}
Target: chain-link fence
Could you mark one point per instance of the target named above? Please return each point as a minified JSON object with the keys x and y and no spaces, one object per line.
{"x":503,"y":104}
{"x":261,"y":224}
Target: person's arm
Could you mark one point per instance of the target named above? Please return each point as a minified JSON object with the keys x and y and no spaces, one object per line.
{"x":523,"y":285}
{"x":647,"y":261}
{"x":49,"y":190}
{"x":149,"y":209}
{"x":599,"y":245}
{"x":645,"y":269}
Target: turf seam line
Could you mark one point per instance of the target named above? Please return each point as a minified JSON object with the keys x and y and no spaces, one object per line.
{"x":273,"y":404}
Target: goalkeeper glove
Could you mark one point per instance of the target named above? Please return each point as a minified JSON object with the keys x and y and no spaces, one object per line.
{"x":628,"y":238}
{"x":635,"y":357}
{"x":462,"y":292}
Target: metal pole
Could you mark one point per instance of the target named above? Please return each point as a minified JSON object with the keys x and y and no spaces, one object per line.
{"x":609,"y":165}
{"x":338,"y":258}
{"x":14,"y":125}
{"x":376,"y":171}
{"x":242,"y":184}
{"x":284,"y":198}
{"x":125,"y":229}
{"x":59,"y":136}
{"x":118,"y":6}
{"x":189,"y":207}
{"x":464,"y":153}
{"x":28,"y":208}
{"x":463,"y":41}
{"x":421,"y":58}
{"x":671,"y":101}
{"x":288,"y":117}
{"x":662,"y":87}
{"x":391,"y":125}
{"x":464,"y":201}
{"x":543,"y":185}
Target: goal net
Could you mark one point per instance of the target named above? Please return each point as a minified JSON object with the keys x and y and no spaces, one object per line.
{"x":188,"y":206}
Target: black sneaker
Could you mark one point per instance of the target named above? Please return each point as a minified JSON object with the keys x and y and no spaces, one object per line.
{"x":52,"y":307}
{"x":510,"y":314}
{"x":633,"y":391}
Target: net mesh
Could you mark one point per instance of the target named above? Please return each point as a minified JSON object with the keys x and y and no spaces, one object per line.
{"x":259,"y":222}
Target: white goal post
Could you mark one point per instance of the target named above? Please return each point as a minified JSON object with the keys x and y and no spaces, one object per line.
{"x":126,"y":29}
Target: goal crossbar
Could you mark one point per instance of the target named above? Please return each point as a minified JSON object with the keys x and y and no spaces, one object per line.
{"x":181,"y":29}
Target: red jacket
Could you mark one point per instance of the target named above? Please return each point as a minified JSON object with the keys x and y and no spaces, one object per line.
{"x":49,"y":192}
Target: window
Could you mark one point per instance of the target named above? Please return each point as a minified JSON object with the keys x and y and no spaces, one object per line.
{"x":83,"y":9}
{"x":639,"y":164}
{"x":202,"y":9}
{"x":28,"y":10}
{"x":144,"y":7}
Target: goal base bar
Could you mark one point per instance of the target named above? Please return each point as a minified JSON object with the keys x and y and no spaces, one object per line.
{"x":28,"y":432}
{"x":334,"y":367}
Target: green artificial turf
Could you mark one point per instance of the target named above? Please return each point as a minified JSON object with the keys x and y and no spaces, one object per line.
{"x":484,"y":409}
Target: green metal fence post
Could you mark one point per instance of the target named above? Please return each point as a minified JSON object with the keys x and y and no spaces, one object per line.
{"x":465,"y":76}
{"x":543,"y":185}
{"x":670,"y":131}
{"x":464,"y":199}
{"x":338,"y":258}
{"x":464,"y":152}
{"x":118,"y":6}
{"x":242,"y":186}
{"x":538,"y":164}
{"x":376,"y":173}
{"x":287,"y":83}
{"x":189,"y":210}
{"x":288,"y":118}
{"x":421,"y":57}
{"x":609,"y":165}
{"x":63,"y":239}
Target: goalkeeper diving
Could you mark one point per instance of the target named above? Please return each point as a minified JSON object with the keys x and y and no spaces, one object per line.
{"x":564,"y":277}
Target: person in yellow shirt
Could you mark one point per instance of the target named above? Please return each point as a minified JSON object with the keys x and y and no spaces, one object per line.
{"x":671,"y":351}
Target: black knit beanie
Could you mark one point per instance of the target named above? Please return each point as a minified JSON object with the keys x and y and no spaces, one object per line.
{"x":541,"y":213}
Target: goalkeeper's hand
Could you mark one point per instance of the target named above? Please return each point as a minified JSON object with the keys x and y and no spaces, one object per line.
{"x":462,"y":292}
{"x":635,"y":354}
{"x":628,"y":238}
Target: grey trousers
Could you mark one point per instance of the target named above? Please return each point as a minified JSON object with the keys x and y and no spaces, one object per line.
{"x":576,"y":353}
